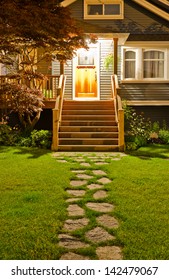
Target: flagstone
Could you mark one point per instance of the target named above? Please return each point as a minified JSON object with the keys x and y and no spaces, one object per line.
{"x":102,"y":207}
{"x":84,"y":176}
{"x":94,"y":186}
{"x":99,"y":172}
{"x":73,"y":199}
{"x":98,"y":235}
{"x":101,"y":163}
{"x":71,"y":242}
{"x":76,"y":192}
{"x":109,"y":253}
{"x":78,"y":183}
{"x":79,"y":171}
{"x":100,"y":194}
{"x":73,"y":256}
{"x":75,"y":210}
{"x":108,"y":221}
{"x":104,"y":180}
{"x":71,"y":225}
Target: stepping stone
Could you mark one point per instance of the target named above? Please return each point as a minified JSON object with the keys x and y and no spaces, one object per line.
{"x":84,"y":176}
{"x":102,"y":207}
{"x":71,"y":242}
{"x":75,"y":210}
{"x":73,"y":256}
{"x":71,"y":225}
{"x":99,"y":172}
{"x":73,"y":199}
{"x":104,"y":180}
{"x":76,"y":192}
{"x":100,"y":194}
{"x":78,"y":183}
{"x":86,"y":164}
{"x":101,"y":163}
{"x":109,"y":253}
{"x":115,"y":158}
{"x":79,"y":159}
{"x":94,"y":186}
{"x":98,"y":235}
{"x":78,"y":171}
{"x":108,"y":221}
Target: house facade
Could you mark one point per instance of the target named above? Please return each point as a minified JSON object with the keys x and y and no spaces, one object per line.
{"x":132,"y":42}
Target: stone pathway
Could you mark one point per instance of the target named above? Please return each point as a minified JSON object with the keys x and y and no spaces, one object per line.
{"x":89,"y":180}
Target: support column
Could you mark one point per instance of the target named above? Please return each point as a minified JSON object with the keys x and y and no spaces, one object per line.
{"x":115,"y":55}
{"x":61,"y":68}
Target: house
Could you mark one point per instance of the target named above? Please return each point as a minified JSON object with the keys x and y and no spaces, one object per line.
{"x":132,"y":44}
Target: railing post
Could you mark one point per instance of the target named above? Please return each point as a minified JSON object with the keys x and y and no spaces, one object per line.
{"x":121,"y":129}
{"x":55,"y":129}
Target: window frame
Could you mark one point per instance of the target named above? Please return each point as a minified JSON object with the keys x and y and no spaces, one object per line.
{"x":139,"y":65}
{"x":103,"y":16}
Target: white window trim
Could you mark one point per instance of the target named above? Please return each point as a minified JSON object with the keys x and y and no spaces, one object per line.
{"x":139,"y":64}
{"x":95,"y":2}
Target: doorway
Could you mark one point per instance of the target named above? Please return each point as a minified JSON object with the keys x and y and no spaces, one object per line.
{"x":86,"y":74}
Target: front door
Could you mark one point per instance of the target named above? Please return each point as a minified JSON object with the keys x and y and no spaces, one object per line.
{"x":86,"y":74}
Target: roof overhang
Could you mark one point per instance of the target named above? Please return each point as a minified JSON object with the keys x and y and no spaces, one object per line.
{"x":153,"y":8}
{"x":122,"y":37}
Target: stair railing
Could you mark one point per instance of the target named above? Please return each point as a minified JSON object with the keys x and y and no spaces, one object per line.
{"x":57,"y":112}
{"x":119,"y":112}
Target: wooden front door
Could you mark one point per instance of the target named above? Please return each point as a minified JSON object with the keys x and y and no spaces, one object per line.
{"x":86,"y":74}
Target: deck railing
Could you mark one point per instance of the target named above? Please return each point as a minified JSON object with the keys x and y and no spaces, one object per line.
{"x":57,"y":112}
{"x":119,"y":112}
{"x":48,"y":85}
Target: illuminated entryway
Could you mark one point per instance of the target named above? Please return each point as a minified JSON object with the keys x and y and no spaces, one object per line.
{"x":86,"y":73}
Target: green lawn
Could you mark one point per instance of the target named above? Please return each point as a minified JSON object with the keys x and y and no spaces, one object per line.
{"x":33,"y":208}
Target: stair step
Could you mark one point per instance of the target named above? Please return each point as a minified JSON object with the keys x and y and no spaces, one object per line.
{"x":88,"y":117}
{"x":88,"y":141}
{"x":87,"y":112}
{"x":78,"y":148}
{"x":88,"y":128}
{"x":88,"y":107}
{"x":88,"y":135}
{"x":88,"y":123}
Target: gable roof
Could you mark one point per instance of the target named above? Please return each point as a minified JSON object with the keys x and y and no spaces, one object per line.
{"x":158,"y":7}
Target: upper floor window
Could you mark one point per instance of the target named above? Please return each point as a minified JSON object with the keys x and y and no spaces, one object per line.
{"x":103,"y":9}
{"x":143,"y":64}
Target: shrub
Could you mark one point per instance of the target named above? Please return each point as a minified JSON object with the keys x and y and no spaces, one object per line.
{"x":137,"y":128}
{"x":8,"y":136}
{"x":41,"y":139}
{"x":164,"y":136}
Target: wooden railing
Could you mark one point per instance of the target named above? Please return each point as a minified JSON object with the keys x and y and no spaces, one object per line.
{"x":119,"y":112}
{"x":57,"y":112}
{"x":48,"y":85}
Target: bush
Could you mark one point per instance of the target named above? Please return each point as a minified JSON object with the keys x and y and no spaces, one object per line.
{"x":12,"y":137}
{"x":41,"y":139}
{"x":8,"y":136}
{"x":164,"y":136}
{"x":137,"y":128}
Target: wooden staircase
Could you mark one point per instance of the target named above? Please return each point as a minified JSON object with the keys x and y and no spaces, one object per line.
{"x":88,"y":126}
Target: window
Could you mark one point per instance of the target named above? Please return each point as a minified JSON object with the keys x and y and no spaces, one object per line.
{"x":153,"y":64}
{"x":130,"y":64}
{"x":101,"y":9}
{"x":143,"y":64}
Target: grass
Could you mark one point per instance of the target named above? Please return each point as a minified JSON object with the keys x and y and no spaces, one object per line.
{"x":32,"y":203}
{"x":33,"y":207}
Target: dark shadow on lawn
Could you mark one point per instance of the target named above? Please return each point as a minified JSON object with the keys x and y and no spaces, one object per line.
{"x":152,"y":151}
{"x":32,"y":153}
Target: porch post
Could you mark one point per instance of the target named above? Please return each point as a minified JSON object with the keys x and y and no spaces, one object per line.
{"x":115,"y":55}
{"x":61,"y":68}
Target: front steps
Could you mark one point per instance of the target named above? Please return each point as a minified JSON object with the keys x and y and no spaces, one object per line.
{"x":88,"y":126}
